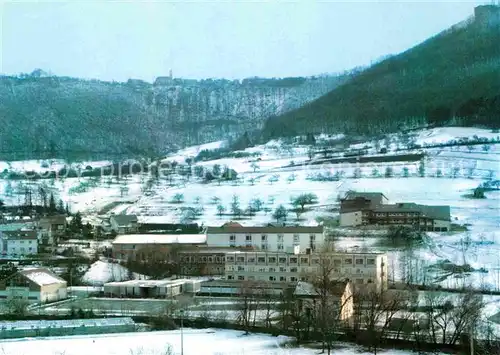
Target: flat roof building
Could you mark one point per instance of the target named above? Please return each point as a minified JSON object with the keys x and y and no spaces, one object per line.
{"x":151,"y":288}
{"x":363,"y":269}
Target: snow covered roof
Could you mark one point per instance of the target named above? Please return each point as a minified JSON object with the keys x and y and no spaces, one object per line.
{"x":42,"y":276}
{"x":366,"y":195}
{"x":161,"y":239}
{"x":148,"y":283}
{"x":20,"y":234}
{"x":268,"y":229}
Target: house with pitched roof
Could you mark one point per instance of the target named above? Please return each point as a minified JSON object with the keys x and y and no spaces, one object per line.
{"x":18,"y":243}
{"x":34,"y":285}
{"x":124,"y":223}
{"x":338,"y":296}
{"x":52,"y":228}
{"x":288,"y":239}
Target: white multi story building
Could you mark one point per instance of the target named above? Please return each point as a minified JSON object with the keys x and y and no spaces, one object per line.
{"x":18,"y":243}
{"x":288,"y":239}
{"x":360,"y":268}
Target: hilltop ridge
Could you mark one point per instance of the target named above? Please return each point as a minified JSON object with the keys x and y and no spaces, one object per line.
{"x":46,"y":116}
{"x":451,"y":78}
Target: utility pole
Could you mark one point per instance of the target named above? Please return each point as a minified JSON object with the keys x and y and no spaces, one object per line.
{"x":471,"y":339}
{"x":182,"y":335}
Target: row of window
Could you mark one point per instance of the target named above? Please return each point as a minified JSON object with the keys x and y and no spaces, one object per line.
{"x":203,"y":259}
{"x":396,"y":214}
{"x":265,"y":246}
{"x":264,"y":237}
{"x":292,"y":269}
{"x":22,"y":250}
{"x":270,"y":278}
{"x":284,"y":279}
{"x":295,"y":260}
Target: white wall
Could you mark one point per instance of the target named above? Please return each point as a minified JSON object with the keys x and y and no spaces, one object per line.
{"x":22,"y":292}
{"x":272,"y":242}
{"x":361,"y":273}
{"x":351,"y":219}
{"x":22,"y":246}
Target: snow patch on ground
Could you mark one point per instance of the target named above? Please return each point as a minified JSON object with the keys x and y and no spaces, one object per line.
{"x":101,"y":272}
{"x":196,"y":342}
{"x":446,"y":134}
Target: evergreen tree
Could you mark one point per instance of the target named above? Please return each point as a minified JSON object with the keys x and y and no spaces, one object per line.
{"x":52,"y":204}
{"x":76,"y":224}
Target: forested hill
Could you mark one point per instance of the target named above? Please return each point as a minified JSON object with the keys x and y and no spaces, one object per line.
{"x":453,"y":77}
{"x":49,"y":116}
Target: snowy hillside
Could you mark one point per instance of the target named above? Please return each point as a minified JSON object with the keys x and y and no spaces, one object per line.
{"x":276,"y":172}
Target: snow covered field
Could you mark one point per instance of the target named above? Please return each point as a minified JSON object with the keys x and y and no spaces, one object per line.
{"x":450,"y":174}
{"x":196,"y":342}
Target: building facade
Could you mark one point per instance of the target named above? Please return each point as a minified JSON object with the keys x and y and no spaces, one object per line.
{"x":18,"y":243}
{"x":272,"y":238}
{"x":123,"y":223}
{"x":360,"y":268}
{"x":142,"y":247}
{"x":340,"y":300}
{"x":52,"y":229}
{"x":203,"y":261}
{"x":38,"y":285}
{"x":369,"y":209}
{"x":151,"y":288}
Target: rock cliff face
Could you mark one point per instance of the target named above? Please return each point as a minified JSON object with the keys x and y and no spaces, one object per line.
{"x":56,"y":116}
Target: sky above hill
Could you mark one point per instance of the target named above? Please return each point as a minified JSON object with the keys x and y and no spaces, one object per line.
{"x":117,"y":40}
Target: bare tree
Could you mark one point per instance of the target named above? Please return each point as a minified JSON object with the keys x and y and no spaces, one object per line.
{"x":377,"y":313}
{"x":220,"y":210}
{"x":451,"y":316}
{"x":245,"y":297}
{"x":328,"y":307}
{"x":178,"y":198}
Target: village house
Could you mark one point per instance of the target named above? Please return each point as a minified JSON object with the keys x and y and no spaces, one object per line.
{"x":124,"y":223}
{"x":135,"y":247}
{"x":372,"y":209}
{"x":340,"y":299}
{"x":34,"y":285}
{"x":271,"y":238}
{"x":18,"y":243}
{"x":52,"y":229}
{"x":365,"y":270}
